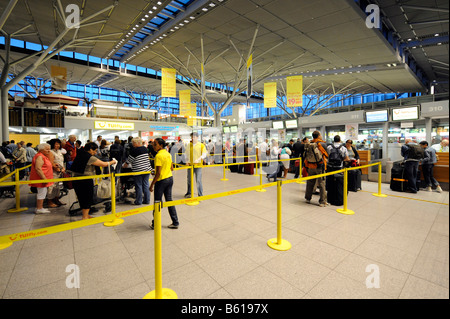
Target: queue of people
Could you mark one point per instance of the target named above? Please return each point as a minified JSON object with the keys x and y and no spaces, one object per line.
{"x":53,"y":159}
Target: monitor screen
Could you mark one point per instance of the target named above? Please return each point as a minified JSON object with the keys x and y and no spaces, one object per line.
{"x":377,"y":116}
{"x":292,"y":124}
{"x":233,"y":129}
{"x":408,"y":113}
{"x":278,"y":125}
{"x":226,"y":129}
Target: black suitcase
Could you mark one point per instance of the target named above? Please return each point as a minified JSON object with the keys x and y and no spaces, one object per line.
{"x":335,"y":189}
{"x":234,"y":168}
{"x":399,"y":183}
{"x":354,"y":180}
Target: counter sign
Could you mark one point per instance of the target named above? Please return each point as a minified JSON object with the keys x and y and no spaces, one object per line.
{"x":104,"y":125}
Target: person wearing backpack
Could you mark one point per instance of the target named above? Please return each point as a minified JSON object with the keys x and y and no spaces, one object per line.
{"x":337,"y":155}
{"x":315,"y":157}
{"x":412,"y":154}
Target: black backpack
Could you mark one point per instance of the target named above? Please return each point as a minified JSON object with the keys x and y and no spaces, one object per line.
{"x":416,"y":152}
{"x":335,"y":158}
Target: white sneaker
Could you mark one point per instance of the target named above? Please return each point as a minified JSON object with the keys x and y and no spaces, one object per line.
{"x":42,"y":211}
{"x":429,"y":189}
{"x":439,"y":189}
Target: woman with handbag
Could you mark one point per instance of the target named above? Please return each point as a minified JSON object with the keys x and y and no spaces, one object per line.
{"x":352,"y":154}
{"x":84,"y":165}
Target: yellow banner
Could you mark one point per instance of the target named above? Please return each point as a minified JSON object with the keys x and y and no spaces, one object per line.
{"x":270,"y":95}
{"x":168,"y":83}
{"x":295,"y":91}
{"x":104,"y":125}
{"x":185,"y":102}
{"x":191,"y":116}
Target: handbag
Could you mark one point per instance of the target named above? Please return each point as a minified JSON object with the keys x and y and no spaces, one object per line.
{"x":304,"y":172}
{"x":67,"y":184}
{"x":104,"y":188}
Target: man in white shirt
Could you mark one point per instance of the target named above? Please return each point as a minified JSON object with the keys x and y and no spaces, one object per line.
{"x":341,"y":152}
{"x":99,"y":140}
{"x":441,"y":147}
{"x":262,"y":149}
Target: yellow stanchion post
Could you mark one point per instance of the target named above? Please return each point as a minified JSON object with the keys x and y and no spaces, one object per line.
{"x":115,"y":221}
{"x":261,"y":190}
{"x":159,"y":292}
{"x":18,"y":209}
{"x":379,"y":183}
{"x":193,"y":202}
{"x":345,"y":210}
{"x":279,"y":243}
{"x":300,"y":168}
{"x":224,"y":174}
{"x":256,"y":168}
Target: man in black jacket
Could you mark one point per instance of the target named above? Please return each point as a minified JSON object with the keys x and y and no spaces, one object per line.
{"x":298,"y":150}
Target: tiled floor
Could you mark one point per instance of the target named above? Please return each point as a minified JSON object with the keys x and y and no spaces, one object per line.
{"x":220,"y":249}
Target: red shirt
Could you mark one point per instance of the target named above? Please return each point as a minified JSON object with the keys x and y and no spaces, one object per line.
{"x":71,"y":149}
{"x":47,"y":168}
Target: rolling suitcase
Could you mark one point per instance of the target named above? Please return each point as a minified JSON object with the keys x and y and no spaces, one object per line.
{"x":249,"y":169}
{"x":335,"y":189}
{"x":354,"y":180}
{"x":399,"y":183}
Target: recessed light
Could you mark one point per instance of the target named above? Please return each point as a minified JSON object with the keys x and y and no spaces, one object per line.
{"x":205,"y":9}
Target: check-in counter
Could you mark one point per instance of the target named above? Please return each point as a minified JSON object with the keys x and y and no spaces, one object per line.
{"x":364,"y":159}
{"x":441,"y":171}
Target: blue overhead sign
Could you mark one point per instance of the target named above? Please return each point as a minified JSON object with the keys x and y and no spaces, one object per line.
{"x":164,"y":128}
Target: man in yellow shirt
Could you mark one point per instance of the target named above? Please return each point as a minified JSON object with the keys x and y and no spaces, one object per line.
{"x":163,"y":181}
{"x":196,"y":154}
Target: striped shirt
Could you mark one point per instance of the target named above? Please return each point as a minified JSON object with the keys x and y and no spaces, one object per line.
{"x":139,"y":159}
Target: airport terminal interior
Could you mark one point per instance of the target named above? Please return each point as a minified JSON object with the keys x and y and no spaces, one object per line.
{"x":243,"y":95}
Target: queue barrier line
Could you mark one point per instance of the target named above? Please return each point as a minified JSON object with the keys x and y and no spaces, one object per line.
{"x":159,"y":292}
{"x":13,"y":172}
{"x":7,"y":240}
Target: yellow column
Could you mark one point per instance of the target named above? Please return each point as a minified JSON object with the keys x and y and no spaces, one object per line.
{"x":159,"y":292}
{"x":279,"y":243}
{"x":345,"y":210}
{"x":299,"y":181}
{"x":18,"y":209}
{"x":379,"y":182}
{"x":261,"y":190}
{"x":115,"y":221}
{"x":224,"y":174}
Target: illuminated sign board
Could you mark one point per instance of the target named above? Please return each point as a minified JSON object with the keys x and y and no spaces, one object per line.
{"x":292,"y":124}
{"x":377,"y":116}
{"x":105,"y":125}
{"x":408,"y":113}
{"x":278,"y":125}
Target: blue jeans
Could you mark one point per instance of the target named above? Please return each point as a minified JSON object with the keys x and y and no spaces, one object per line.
{"x":198,"y":181}
{"x":164,"y":187}
{"x":427,"y":170}
{"x":142,"y":186}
